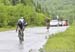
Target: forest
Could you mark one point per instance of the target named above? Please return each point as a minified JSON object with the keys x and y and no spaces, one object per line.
{"x":35,"y":11}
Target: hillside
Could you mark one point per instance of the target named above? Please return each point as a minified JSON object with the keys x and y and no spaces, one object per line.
{"x":36,"y":10}
{"x":12,"y":10}
{"x":64,"y":8}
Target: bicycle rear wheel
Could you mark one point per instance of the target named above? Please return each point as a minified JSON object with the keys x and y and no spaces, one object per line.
{"x":20,"y":35}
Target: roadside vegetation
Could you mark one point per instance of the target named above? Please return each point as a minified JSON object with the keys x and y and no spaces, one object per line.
{"x":62,"y":42}
{"x":7,"y":28}
{"x":35,"y":11}
{"x":12,"y":10}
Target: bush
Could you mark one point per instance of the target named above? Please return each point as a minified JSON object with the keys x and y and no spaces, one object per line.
{"x":10,"y":14}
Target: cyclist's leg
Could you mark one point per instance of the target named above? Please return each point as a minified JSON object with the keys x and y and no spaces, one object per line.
{"x":21,"y":30}
{"x":48,"y":26}
{"x":22,"y":35}
{"x":19,"y":36}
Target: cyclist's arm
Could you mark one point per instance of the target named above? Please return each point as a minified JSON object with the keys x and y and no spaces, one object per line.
{"x":16,"y":27}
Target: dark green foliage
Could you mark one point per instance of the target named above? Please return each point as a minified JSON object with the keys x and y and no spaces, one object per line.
{"x":14,"y":2}
{"x":10,"y":14}
{"x":62,"y":8}
{"x":34,"y":11}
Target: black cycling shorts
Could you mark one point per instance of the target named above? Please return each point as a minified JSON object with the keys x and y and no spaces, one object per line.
{"x":21,"y":26}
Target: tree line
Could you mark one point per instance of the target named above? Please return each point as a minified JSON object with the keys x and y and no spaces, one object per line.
{"x":34,"y":11}
{"x":12,"y":10}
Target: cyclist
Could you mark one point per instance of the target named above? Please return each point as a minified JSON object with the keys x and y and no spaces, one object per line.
{"x":20,"y":26}
{"x":47,"y":23}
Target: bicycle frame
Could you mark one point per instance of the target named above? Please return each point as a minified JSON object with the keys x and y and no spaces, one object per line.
{"x":21,"y":35}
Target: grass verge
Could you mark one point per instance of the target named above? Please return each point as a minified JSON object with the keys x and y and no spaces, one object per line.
{"x":7,"y":28}
{"x":62,"y":42}
{"x":13,"y":28}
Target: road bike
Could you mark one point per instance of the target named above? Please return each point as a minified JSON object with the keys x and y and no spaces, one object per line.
{"x":21,"y":36}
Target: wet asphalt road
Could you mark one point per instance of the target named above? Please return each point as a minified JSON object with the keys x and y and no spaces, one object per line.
{"x":34,"y":38}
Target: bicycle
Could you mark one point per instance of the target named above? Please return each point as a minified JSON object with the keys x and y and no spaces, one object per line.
{"x":21,"y":36}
